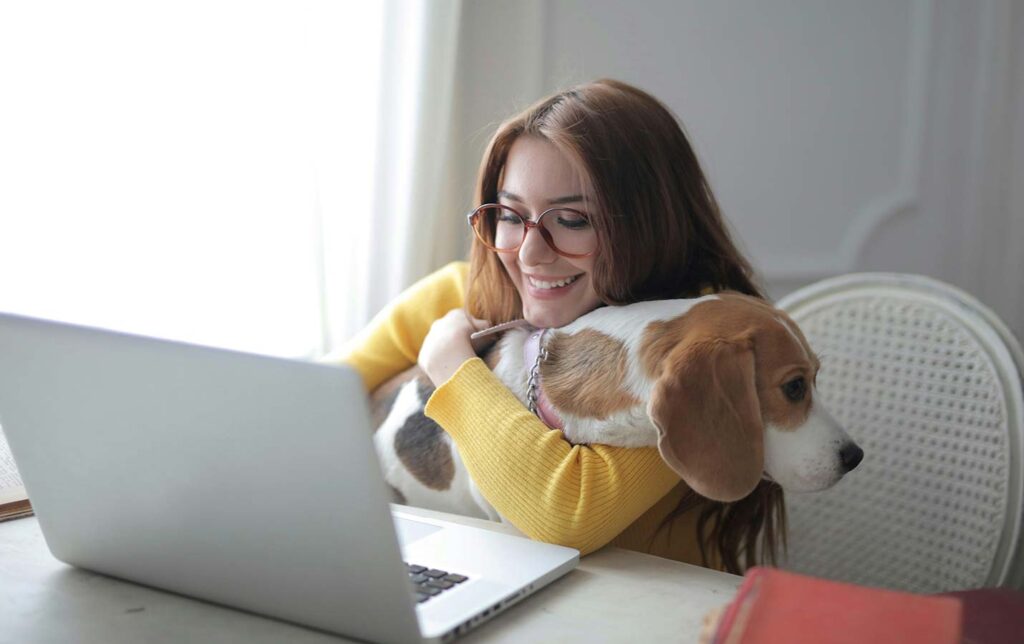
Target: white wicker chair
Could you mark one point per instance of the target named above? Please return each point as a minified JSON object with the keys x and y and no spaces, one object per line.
{"x":928,"y":382}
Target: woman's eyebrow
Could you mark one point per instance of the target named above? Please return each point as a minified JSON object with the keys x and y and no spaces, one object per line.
{"x":504,"y":194}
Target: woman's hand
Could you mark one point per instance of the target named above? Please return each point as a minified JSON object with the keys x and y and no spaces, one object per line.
{"x":447,"y":345}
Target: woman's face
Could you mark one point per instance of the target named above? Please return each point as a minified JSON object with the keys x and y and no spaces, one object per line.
{"x":555,"y":290}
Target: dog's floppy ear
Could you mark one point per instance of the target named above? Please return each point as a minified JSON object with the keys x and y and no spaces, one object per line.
{"x":708,"y":416}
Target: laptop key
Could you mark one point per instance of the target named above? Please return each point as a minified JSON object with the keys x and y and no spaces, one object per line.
{"x":428,"y":583}
{"x":439,"y":583}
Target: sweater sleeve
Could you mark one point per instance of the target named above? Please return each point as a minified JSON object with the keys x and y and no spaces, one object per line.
{"x":574,"y":495}
{"x":391,"y":342}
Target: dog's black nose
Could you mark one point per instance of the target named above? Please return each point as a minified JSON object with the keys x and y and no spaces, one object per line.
{"x":850,"y":456}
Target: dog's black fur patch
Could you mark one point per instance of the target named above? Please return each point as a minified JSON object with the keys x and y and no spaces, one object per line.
{"x":421,"y":445}
{"x":424,"y":389}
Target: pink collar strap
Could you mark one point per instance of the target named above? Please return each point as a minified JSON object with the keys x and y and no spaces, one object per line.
{"x":537,"y":401}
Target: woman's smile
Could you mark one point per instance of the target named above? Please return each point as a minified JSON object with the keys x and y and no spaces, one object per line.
{"x":550,"y":287}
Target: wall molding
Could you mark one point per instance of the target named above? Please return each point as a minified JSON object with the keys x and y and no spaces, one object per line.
{"x":903,"y":200}
{"x":990,"y":258}
{"x":810,"y":267}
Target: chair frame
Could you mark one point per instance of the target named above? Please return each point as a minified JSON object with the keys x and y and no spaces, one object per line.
{"x":1002,"y":346}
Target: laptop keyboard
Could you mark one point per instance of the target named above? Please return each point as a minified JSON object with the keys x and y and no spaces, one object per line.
{"x":428,"y":583}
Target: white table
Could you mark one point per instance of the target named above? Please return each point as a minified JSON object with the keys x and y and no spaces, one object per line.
{"x":614,"y":595}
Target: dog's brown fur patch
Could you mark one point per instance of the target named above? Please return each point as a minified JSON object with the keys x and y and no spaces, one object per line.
{"x":585,"y":373}
{"x":780,"y":349}
{"x":659,"y":338}
{"x":422,"y":447}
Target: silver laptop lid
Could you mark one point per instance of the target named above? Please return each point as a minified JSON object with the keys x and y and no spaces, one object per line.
{"x":208,"y":472}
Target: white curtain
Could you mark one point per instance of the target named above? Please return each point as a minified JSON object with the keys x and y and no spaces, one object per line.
{"x":262,"y":175}
{"x":161,"y":163}
{"x":414,"y":225}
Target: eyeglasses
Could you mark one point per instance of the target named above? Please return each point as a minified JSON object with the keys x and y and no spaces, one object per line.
{"x":568,"y":232}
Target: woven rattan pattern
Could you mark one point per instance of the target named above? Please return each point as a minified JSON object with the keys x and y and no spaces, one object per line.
{"x":914,"y":388}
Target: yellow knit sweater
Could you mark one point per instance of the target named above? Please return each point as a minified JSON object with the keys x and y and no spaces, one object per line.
{"x":583,"y":496}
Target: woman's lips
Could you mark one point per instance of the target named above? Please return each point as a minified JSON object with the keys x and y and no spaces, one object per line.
{"x":550,"y":288}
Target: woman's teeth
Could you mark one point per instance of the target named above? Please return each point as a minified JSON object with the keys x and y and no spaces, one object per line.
{"x":548,"y":285}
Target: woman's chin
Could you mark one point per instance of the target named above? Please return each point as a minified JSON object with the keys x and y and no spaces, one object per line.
{"x":543,"y":317}
{"x":556,"y":308}
{"x":542,"y":320}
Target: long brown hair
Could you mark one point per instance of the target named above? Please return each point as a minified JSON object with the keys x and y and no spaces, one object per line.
{"x":661,"y":236}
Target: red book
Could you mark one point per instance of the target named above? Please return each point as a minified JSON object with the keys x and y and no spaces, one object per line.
{"x":774,"y":606}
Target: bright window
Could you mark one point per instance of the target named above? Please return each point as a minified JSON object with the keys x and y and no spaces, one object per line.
{"x":161,"y":164}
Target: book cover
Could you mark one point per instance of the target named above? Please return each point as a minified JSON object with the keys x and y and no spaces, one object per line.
{"x":779,"y":606}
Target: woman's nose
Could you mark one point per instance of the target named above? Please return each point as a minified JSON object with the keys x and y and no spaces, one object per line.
{"x":535,"y":249}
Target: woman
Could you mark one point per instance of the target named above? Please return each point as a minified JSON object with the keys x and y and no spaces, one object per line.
{"x":627,"y":216}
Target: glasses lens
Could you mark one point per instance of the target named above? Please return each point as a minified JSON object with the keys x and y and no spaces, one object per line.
{"x":499,"y":228}
{"x":567,"y":231}
{"x":570,"y":231}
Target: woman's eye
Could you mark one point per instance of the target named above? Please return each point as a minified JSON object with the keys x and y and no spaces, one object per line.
{"x":573,"y":222}
{"x":795,"y":389}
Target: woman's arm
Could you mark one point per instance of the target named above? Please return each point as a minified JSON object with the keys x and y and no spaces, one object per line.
{"x":574,"y":495}
{"x":391,"y":342}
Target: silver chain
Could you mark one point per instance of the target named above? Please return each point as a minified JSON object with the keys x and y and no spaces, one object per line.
{"x":531,"y":383}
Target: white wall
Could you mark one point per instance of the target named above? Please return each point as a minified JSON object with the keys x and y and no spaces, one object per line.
{"x":839,"y":136}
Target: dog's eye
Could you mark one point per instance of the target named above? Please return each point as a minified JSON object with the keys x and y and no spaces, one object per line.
{"x":795,"y":389}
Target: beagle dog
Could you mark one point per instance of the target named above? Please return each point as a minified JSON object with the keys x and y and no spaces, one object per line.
{"x":723,"y":385}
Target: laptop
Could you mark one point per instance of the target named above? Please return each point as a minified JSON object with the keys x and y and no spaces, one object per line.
{"x":244,"y":480}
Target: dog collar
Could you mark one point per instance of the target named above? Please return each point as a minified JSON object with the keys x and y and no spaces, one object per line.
{"x":536,"y":400}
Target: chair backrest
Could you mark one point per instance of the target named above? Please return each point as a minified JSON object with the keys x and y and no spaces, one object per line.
{"x":928,"y":381}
